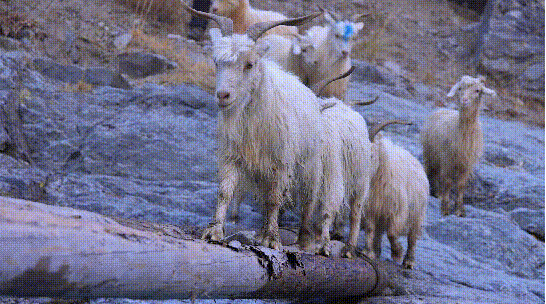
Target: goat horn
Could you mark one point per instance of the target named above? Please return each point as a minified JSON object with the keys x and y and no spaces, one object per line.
{"x":327,"y":105}
{"x":358,"y":17}
{"x":226,"y":24}
{"x":367,"y":103}
{"x":319,"y":87}
{"x":375,"y":129}
{"x":256,"y":30}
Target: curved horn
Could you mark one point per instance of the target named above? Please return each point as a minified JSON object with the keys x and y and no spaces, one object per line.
{"x":489,"y":91}
{"x":225,"y":24}
{"x":454,"y":89}
{"x":319,"y":87}
{"x":367,"y":103}
{"x":327,"y":105}
{"x":375,"y":129}
{"x":256,"y":30}
{"x":358,"y":17}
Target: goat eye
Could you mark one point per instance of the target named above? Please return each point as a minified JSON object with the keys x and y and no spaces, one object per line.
{"x":477,"y":91}
{"x":248,"y":66}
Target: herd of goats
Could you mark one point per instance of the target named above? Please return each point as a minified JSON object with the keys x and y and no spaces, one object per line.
{"x":286,"y":133}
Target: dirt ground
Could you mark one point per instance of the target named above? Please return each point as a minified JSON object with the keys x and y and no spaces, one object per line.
{"x":412,"y":36}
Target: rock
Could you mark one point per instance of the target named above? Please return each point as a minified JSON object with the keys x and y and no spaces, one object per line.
{"x":140,"y":65}
{"x":50,"y":68}
{"x":534,"y":72}
{"x":73,"y":74}
{"x":105,"y":77}
{"x":531,"y":221}
{"x":9,"y":44}
{"x":123,"y":40}
{"x":513,"y":44}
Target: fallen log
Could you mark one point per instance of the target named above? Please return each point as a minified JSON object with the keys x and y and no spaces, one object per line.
{"x":52,"y":251}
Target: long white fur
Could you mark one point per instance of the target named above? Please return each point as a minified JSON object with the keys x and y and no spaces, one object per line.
{"x":347,"y":170}
{"x":397,"y":204}
{"x":270,"y":133}
{"x":290,"y":52}
{"x":243,"y":16}
{"x":453,"y":141}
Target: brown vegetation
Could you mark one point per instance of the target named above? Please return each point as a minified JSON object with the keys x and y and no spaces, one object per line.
{"x":415,"y":35}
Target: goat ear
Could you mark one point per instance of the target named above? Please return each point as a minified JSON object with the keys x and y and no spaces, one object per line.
{"x":296,"y":48}
{"x":329,"y":19}
{"x":358,"y":26}
{"x":454,"y":89}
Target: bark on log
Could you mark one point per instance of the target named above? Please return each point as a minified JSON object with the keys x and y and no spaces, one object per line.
{"x":61,"y":252}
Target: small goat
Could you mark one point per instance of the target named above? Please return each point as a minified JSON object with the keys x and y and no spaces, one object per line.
{"x":398,"y":199}
{"x":347,"y":172}
{"x":453,"y":142}
{"x":331,"y":56}
{"x":270,"y":129}
{"x":243,"y":16}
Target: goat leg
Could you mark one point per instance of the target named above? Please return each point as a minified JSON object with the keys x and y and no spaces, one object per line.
{"x":229,"y":179}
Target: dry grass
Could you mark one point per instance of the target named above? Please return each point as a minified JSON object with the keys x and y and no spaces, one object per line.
{"x":188,"y":71}
{"x":81,"y":87}
{"x":159,"y":10}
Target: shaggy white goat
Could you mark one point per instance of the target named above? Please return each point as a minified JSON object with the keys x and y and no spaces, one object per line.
{"x":453,"y":142}
{"x":347,"y":172}
{"x":270,"y":129}
{"x":331,"y":56}
{"x":397,"y":204}
{"x":243,"y":16}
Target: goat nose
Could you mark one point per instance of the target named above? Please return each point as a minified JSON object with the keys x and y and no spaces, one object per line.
{"x":223,"y":97}
{"x":344,"y":53}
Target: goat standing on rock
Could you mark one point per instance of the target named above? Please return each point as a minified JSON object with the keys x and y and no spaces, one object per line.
{"x":398,"y":199}
{"x":453,"y":142}
{"x":270,"y":129}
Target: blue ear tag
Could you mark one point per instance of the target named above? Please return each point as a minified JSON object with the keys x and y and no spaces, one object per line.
{"x":348,"y":32}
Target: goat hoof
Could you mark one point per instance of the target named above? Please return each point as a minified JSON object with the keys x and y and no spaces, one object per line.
{"x":349,"y":251}
{"x":325,"y":249}
{"x":370,"y":254}
{"x":408,"y":264}
{"x":272,"y":242}
{"x":235,"y":218}
{"x":215,"y":232}
{"x":460,"y":213}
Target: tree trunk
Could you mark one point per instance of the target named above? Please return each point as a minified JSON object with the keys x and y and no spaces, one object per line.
{"x":61,"y":252}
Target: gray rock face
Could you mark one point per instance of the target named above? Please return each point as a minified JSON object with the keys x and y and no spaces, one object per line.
{"x":138,"y":65}
{"x":510,"y":47}
{"x":149,"y":153}
{"x":73,"y":74}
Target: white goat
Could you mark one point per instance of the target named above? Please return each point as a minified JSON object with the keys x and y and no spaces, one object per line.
{"x":453,"y":142}
{"x":332,"y":44}
{"x":347,"y":172}
{"x":290,"y":52}
{"x":397,"y":204}
{"x":270,"y":129}
{"x":243,"y":16}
